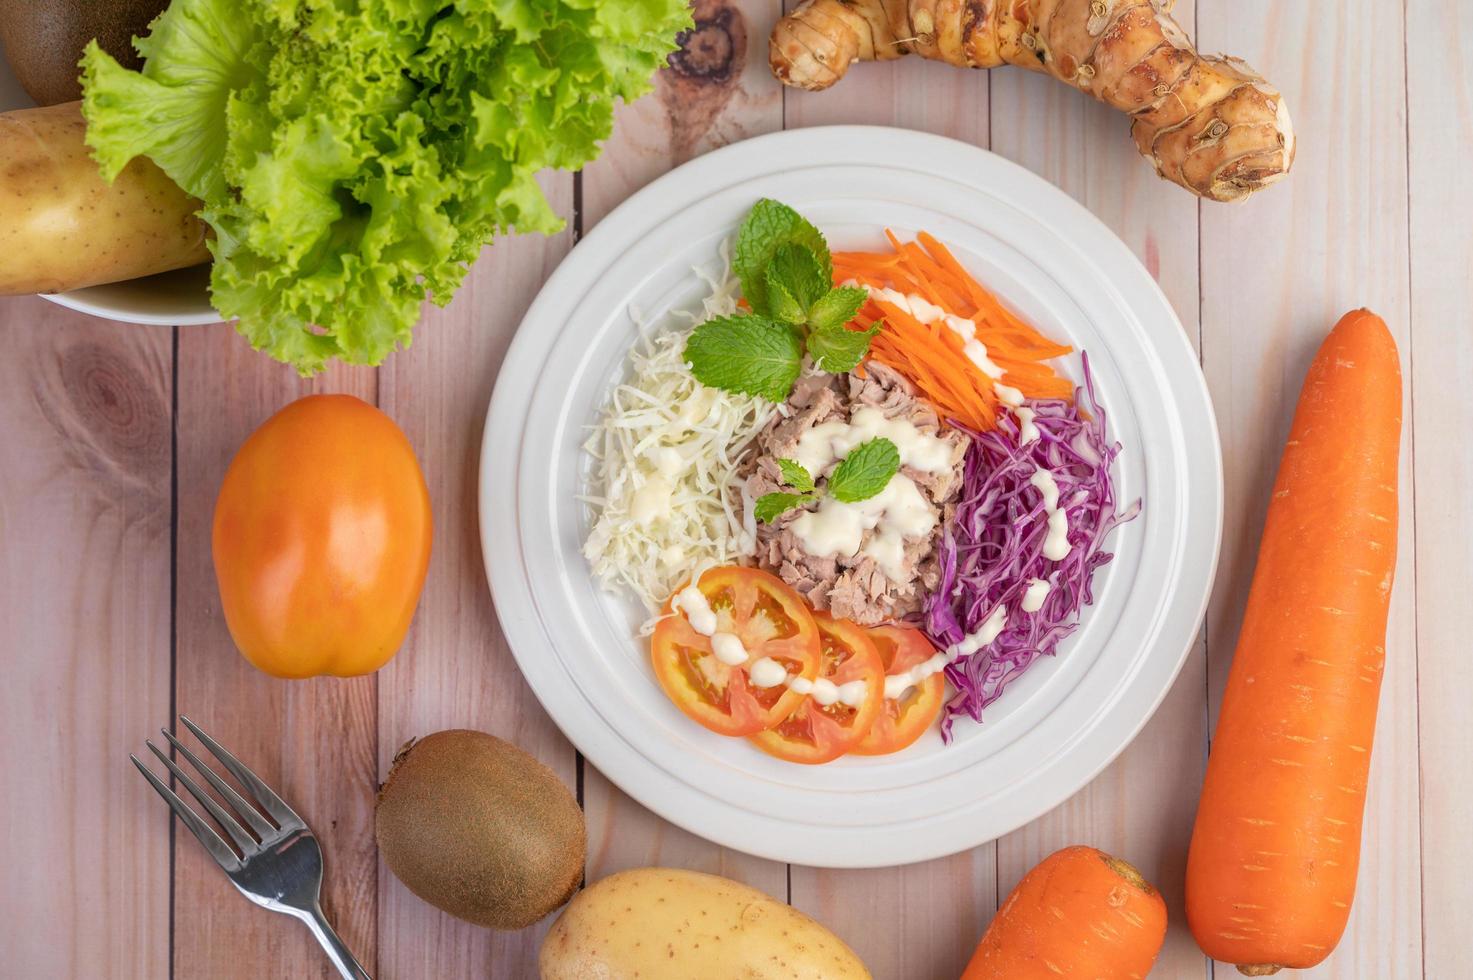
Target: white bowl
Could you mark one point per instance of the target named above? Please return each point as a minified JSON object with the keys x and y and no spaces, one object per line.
{"x":178,"y":297}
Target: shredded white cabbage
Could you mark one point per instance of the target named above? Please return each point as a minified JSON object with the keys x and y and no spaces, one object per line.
{"x":664,"y":490}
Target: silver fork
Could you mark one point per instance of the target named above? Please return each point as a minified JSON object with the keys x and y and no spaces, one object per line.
{"x":277,"y":863}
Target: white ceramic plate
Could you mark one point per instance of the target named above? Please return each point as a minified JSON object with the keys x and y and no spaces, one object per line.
{"x":178,"y":297}
{"x":1055,"y":728}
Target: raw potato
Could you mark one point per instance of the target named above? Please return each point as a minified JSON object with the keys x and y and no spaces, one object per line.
{"x":62,"y":227}
{"x":667,"y":924}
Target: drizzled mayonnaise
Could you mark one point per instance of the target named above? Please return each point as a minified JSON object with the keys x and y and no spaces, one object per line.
{"x":726,"y":647}
{"x":764,"y":671}
{"x":1034,"y":595}
{"x":1056,"y":542}
{"x":973,"y":349}
{"x":897,"y":684}
{"x":769,"y":673}
{"x":836,"y":528}
{"x":899,"y":511}
{"x":1027,"y":428}
{"x":821,"y":447}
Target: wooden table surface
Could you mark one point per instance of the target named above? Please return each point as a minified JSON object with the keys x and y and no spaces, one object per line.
{"x":113,"y":440}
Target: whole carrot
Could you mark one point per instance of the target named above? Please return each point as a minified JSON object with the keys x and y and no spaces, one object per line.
{"x":1271,"y":873}
{"x":1078,"y":913}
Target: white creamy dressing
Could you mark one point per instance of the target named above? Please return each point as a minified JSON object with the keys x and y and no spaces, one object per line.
{"x":650,"y":500}
{"x":764,"y":671}
{"x":653,"y":499}
{"x":824,"y":445}
{"x":727,"y":647}
{"x":897,"y":684}
{"x":1034,"y":595}
{"x":1055,"y":547}
{"x":1056,"y":543}
{"x":897,"y":512}
{"x":1009,"y":396}
{"x":975,"y":351}
{"x":769,"y":673}
{"x":1027,"y":428}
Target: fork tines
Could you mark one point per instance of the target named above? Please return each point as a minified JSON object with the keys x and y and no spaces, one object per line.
{"x":262,"y":832}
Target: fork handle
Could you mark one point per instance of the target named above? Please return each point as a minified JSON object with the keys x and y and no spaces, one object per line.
{"x":336,"y":949}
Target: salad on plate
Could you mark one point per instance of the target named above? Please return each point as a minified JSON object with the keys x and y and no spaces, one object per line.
{"x":855,"y":494}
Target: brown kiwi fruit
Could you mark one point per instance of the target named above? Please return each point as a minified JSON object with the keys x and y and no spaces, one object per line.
{"x":480,"y":829}
{"x":44,"y":39}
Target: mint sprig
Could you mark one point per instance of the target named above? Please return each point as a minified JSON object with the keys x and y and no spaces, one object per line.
{"x":769,"y":226}
{"x":796,"y":475}
{"x":787,"y":277}
{"x":799,"y":274}
{"x":862,"y":474}
{"x":865,"y":471}
{"x":771,"y":506}
{"x":836,"y":307}
{"x":839,"y":350}
{"x":748,"y":354}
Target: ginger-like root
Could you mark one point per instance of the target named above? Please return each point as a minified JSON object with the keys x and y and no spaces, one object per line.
{"x":1208,"y":123}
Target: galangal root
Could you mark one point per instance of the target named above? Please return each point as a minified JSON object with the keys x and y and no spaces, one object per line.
{"x":1208,"y":123}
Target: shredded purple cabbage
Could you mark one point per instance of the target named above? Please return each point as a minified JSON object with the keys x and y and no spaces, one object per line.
{"x":994,"y":545}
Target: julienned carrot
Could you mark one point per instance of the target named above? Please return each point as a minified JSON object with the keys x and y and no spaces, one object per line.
{"x":930,"y":354}
{"x":1272,"y":868}
{"x":1078,"y":913}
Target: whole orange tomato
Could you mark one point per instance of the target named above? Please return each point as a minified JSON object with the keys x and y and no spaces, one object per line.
{"x":322,"y":539}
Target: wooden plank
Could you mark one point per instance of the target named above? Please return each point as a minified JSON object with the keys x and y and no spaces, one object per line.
{"x":933,"y":912}
{"x":455,"y":670}
{"x":85,"y":475}
{"x":1440,"y":355}
{"x":314,"y":741}
{"x":1277,"y":272}
{"x":1141,"y":807}
{"x":717,"y":89}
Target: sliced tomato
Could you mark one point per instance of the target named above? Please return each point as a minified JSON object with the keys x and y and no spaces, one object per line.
{"x":817,"y":733}
{"x":770,"y":619}
{"x":902,"y":720}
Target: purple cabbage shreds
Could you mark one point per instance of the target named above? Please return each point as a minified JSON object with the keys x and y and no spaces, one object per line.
{"x":993,"y":547}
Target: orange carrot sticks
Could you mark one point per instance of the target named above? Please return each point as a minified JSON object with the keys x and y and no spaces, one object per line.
{"x":1078,"y":913}
{"x":1272,"y":868}
{"x":932,"y":355}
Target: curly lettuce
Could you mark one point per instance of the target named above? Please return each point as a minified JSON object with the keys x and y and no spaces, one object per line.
{"x":354,"y":156}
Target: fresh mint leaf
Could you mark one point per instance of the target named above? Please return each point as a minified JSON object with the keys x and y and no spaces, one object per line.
{"x":749,"y":354}
{"x":865,"y":471}
{"x":796,"y":475}
{"x":836,"y":307}
{"x":801,"y":274}
{"x":839,"y":349}
{"x":767,"y":227}
{"x":781,"y":304}
{"x":771,"y":506}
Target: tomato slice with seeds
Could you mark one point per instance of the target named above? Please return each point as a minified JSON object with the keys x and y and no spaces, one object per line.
{"x":770,"y":619}
{"x":816,"y":733}
{"x":902,"y":720}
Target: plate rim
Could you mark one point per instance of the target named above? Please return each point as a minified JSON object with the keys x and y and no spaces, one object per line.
{"x":646,"y":208}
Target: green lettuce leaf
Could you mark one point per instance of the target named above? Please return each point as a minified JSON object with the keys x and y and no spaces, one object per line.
{"x":354,"y":158}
